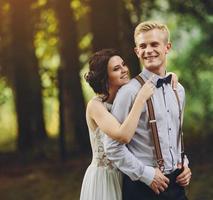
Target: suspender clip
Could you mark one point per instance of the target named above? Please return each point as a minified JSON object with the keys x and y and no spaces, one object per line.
{"x":161,"y":165}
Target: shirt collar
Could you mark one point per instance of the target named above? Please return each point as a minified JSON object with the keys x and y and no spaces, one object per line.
{"x":146,"y":74}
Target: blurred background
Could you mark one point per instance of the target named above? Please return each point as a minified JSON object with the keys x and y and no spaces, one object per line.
{"x":44,"y":51}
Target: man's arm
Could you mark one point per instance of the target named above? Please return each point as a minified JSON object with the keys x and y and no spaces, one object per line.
{"x":119,"y":153}
{"x":184,"y":178}
{"x":127,"y":162}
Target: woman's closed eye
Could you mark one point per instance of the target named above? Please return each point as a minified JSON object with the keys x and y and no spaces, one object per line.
{"x":116,"y":68}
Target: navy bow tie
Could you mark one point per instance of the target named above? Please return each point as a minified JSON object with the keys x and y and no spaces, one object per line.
{"x":165,"y":80}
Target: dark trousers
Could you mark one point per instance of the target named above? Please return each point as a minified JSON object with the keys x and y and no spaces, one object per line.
{"x":136,"y":190}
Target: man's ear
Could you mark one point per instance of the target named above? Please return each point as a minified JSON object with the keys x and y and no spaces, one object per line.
{"x":168,"y":47}
{"x":136,"y":51}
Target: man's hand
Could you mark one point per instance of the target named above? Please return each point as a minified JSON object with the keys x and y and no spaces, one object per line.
{"x":160,"y":182}
{"x":184,"y":178}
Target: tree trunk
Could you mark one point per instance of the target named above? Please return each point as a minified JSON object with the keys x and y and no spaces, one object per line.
{"x":112,"y":28}
{"x":104,"y":16}
{"x":5,"y":37}
{"x":127,"y":29}
{"x":73,"y":110}
{"x":27,"y":84}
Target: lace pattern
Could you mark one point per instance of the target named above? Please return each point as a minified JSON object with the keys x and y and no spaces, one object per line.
{"x":99,"y":156}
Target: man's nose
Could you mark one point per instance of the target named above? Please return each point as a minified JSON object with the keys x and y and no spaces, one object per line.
{"x":148,"y":49}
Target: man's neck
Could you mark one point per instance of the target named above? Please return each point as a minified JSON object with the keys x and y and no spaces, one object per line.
{"x":112,"y":94}
{"x":159,"y":71}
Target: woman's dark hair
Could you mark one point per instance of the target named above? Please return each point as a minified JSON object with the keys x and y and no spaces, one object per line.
{"x":97,"y":77}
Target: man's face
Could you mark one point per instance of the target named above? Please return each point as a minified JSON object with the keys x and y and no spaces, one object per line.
{"x":151,"y":48}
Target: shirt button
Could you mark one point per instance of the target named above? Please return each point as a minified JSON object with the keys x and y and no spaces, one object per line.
{"x":170,"y":129}
{"x":170,"y":147}
{"x":167,"y":110}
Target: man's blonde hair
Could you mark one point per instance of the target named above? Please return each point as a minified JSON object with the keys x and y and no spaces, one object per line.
{"x":150,"y":25}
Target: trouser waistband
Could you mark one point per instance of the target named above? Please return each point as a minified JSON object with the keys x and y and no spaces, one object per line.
{"x":173,"y":175}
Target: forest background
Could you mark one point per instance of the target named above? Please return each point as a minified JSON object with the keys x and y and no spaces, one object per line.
{"x":44,"y":50}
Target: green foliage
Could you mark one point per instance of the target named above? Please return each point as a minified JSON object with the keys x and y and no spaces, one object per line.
{"x":46,"y":43}
{"x":8,"y":124}
{"x":79,"y":8}
{"x":194,"y":60}
{"x":5,"y":92}
{"x":191,"y":58}
{"x":85,"y":45}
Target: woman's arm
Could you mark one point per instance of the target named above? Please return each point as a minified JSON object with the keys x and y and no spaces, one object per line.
{"x":174,"y":80}
{"x":108,"y":123}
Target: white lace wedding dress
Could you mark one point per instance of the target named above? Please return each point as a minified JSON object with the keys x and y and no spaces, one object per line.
{"x":101,"y":181}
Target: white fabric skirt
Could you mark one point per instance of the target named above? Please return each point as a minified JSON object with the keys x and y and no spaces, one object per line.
{"x":101,"y":183}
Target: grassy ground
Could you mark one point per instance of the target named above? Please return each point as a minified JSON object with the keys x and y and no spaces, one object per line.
{"x":42,"y":181}
{"x":55,"y":181}
{"x":202,"y":182}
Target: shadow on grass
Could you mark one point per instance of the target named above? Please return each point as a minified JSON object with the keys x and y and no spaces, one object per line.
{"x":42,"y":180}
{"x":54,"y":180}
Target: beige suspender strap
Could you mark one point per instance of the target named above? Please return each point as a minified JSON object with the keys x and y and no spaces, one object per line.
{"x":154,"y":131}
{"x":180,"y":128}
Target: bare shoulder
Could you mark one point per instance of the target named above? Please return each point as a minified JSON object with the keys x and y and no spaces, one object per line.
{"x":95,"y":101}
{"x":95,"y":104}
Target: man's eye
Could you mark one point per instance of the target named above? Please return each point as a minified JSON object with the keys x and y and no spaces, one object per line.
{"x":154,"y":44}
{"x":142,"y":46}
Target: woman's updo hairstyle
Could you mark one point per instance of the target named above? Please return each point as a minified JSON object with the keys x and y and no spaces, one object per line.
{"x":97,"y":77}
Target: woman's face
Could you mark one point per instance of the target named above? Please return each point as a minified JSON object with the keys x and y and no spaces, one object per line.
{"x":118,"y":73}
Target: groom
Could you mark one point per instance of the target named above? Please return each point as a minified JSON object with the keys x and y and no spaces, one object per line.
{"x":144,"y":179}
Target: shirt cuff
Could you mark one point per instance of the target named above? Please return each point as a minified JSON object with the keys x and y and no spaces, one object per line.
{"x":148,"y":175}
